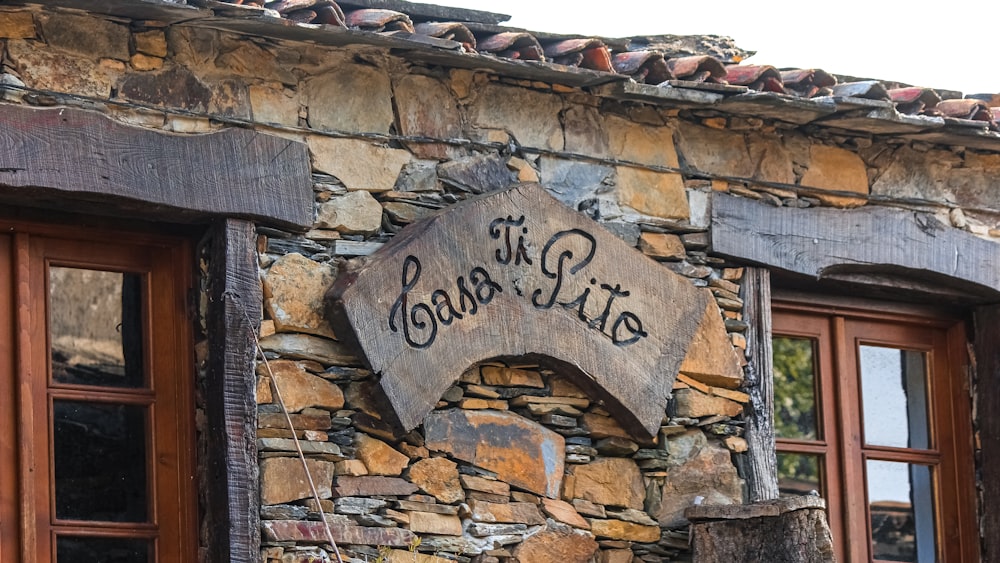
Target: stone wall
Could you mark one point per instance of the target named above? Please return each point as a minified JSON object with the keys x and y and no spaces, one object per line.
{"x":515,"y":462}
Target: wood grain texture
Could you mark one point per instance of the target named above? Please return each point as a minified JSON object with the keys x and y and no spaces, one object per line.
{"x":798,"y":536}
{"x":762,"y":463}
{"x":232,"y":410}
{"x":235,"y":172}
{"x":516,"y":273}
{"x":866,"y":245}
{"x":987,"y":356}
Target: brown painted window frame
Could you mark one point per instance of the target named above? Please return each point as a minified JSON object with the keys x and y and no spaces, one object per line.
{"x":833,"y":327}
{"x":26,"y":473}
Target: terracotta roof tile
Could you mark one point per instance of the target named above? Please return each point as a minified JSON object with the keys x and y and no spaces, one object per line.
{"x":808,"y":83}
{"x":699,"y":68}
{"x":762,"y":78}
{"x":865,"y":89}
{"x":379,"y":20}
{"x":645,"y":67}
{"x":518,"y":45}
{"x":584,"y":52}
{"x":451,"y":31}
{"x":913,"y":100}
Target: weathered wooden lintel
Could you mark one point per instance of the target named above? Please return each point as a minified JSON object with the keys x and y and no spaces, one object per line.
{"x":868,"y":245}
{"x":86,"y":155}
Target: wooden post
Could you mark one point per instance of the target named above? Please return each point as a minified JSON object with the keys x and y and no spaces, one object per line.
{"x":762,"y":464}
{"x":987,"y":361}
{"x":234,"y":312}
{"x":788,"y":530}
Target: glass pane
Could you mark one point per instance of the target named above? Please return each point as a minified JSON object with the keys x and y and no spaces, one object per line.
{"x":100,"y":461}
{"x":894,"y":392}
{"x":794,"y":389}
{"x":902,"y":510}
{"x":798,"y":474}
{"x":102,"y":550}
{"x":95,"y":319}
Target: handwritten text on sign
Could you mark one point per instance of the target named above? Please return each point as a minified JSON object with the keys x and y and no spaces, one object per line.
{"x":420,"y":312}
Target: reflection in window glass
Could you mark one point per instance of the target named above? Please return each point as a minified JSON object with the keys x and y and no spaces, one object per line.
{"x":902,"y":511}
{"x":101,"y":550}
{"x":798,"y":474}
{"x":95,"y":323}
{"x":100,"y":461}
{"x":794,"y":389}
{"x":894,"y":392}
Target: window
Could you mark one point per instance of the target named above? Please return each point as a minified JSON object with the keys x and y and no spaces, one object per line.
{"x":96,"y":406}
{"x":872,"y":410}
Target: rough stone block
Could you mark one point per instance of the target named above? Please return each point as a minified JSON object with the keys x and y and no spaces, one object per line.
{"x":531,"y":117}
{"x":610,"y":481}
{"x":505,"y":513}
{"x":491,"y":486}
{"x":557,"y":544}
{"x":352,"y":98}
{"x":93,"y":37}
{"x":300,"y":389}
{"x":662,"y":245}
{"x":17,"y":25}
{"x":350,"y":160}
{"x":713,"y":151}
{"x":586,"y":132}
{"x":439,"y":477}
{"x":371,"y":485}
{"x":833,"y":168}
{"x":379,"y":457}
{"x":48,"y":70}
{"x":573,"y":182}
{"x":315,"y":533}
{"x":564,"y":512}
{"x":272,"y":103}
{"x":642,"y":144}
{"x":698,"y":468}
{"x":282,"y":479}
{"x":628,"y":531}
{"x":427,"y":109}
{"x":306,"y":347}
{"x":153,"y":42}
{"x":694,"y":404}
{"x":599,"y":426}
{"x":710,"y":357}
{"x":773,"y":160}
{"x":652,"y":193}
{"x":521,"y":452}
{"x":431,"y":523}
{"x":511,"y":377}
{"x":293,"y":288}
{"x":353,"y":213}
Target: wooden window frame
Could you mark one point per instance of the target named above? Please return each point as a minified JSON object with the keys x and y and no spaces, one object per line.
{"x":28,"y":463}
{"x":83,"y":162}
{"x":839,"y":329}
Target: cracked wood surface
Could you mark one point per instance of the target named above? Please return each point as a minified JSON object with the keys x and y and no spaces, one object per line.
{"x":871,"y":244}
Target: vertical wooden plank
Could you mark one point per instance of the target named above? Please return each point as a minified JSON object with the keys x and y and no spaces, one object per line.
{"x":9,"y":550}
{"x":28,"y":427}
{"x":234,"y":314}
{"x":987,"y":355}
{"x":762,"y":466}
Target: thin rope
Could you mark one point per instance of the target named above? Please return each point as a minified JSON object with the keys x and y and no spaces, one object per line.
{"x":288,"y":420}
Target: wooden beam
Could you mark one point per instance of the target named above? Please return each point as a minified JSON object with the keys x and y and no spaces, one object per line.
{"x":987,"y":363}
{"x":87,"y":156}
{"x":870,"y":244}
{"x":233,"y":317}
{"x":762,"y":463}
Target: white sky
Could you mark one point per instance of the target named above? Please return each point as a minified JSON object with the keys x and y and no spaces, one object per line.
{"x":934,"y":44}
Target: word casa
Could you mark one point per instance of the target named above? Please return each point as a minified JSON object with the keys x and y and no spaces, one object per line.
{"x":561,"y":263}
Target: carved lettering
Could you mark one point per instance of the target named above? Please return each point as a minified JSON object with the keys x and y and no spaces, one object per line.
{"x":565,"y":255}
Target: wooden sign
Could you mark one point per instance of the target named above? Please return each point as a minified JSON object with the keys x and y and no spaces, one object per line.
{"x":515,"y":273}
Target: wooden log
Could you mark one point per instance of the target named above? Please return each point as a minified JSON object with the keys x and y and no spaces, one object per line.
{"x":233,"y":317}
{"x":85,"y":155}
{"x":792,"y":530}
{"x":987,"y":364}
{"x":866,"y":245}
{"x":762,"y":463}
{"x":516,"y":273}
